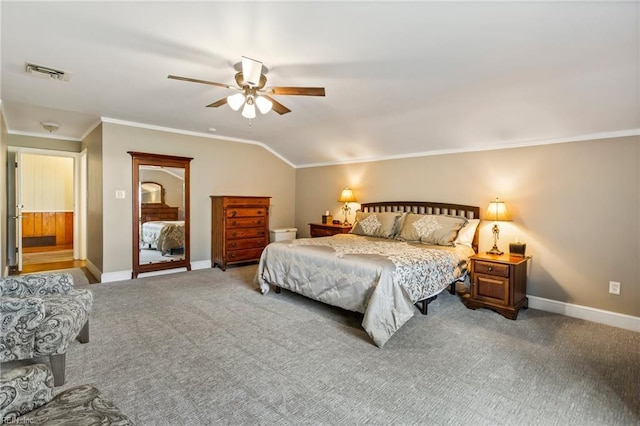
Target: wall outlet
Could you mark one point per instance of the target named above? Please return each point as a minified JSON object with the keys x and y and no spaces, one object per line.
{"x":614,"y":287}
{"x":121,"y":194}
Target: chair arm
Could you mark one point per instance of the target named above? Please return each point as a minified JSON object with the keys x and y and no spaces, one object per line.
{"x":19,"y":319}
{"x":36,"y":284}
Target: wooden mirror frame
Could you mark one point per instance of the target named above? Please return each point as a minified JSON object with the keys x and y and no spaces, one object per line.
{"x":146,"y":159}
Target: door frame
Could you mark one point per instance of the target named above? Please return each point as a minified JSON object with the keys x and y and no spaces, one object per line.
{"x":79,"y":195}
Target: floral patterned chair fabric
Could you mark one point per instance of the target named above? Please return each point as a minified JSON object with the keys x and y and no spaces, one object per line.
{"x":23,"y":389}
{"x":40,"y":315}
{"x":26,"y":398}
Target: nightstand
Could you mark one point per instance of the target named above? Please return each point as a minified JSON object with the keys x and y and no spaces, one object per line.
{"x":327,"y":229}
{"x":498,"y":282}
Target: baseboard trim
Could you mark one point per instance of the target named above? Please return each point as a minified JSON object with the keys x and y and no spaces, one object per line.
{"x":586,"y":313}
{"x":108,"y":277}
{"x":97,"y":273}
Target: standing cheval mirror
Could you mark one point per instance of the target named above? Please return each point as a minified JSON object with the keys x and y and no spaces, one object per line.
{"x":160,"y":212}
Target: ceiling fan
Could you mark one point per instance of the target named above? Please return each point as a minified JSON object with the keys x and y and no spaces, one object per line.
{"x":251,"y":83}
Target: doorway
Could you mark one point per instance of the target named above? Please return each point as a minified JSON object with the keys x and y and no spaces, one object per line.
{"x":49,"y":210}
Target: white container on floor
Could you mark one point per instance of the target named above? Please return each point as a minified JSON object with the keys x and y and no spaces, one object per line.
{"x":281,"y":234}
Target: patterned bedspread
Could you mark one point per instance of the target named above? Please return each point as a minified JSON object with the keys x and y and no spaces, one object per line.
{"x":378,"y":277}
{"x":163,"y":235}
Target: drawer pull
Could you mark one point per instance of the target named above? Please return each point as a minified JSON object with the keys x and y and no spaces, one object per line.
{"x":490,"y":268}
{"x":259,"y":211}
{"x":234,"y":223}
{"x":233,"y":213}
{"x":233,"y":234}
{"x":233,"y":255}
{"x":234,"y":245}
{"x":259,"y":222}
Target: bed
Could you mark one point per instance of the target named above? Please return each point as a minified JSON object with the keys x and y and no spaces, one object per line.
{"x":163,"y":236}
{"x":398,"y":254}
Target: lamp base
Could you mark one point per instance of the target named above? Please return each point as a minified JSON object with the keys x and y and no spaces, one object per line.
{"x":346,"y":223}
{"x":495,"y":250}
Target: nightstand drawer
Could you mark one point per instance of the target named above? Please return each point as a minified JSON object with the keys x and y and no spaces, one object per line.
{"x":491,"y":288}
{"x":491,"y":268}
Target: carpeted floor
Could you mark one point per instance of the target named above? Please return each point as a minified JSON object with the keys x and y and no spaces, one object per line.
{"x":206,"y":348}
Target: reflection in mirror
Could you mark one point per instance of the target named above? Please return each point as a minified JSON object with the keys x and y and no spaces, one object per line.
{"x":151,"y":192}
{"x":161,"y":212}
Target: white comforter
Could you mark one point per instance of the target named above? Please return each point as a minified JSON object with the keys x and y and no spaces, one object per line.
{"x":380,"y":278}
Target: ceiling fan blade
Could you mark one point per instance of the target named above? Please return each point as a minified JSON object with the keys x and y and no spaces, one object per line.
{"x":195,"y":80}
{"x":251,"y":70}
{"x":217,"y":103}
{"x":304,"y":91}
{"x":277,"y":106}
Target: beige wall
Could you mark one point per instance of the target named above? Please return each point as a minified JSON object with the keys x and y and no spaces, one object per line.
{"x":4,"y":137}
{"x":93,"y":146}
{"x":218,"y":168}
{"x":576,"y":205}
{"x":44,"y":143}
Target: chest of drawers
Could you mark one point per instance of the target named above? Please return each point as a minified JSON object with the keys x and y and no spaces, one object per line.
{"x":239,"y":229}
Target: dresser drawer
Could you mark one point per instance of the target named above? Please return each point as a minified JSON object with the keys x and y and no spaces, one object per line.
{"x":247,"y":243}
{"x":246,"y":201}
{"x":242,"y":255}
{"x":491,"y":268}
{"x":322,"y":232}
{"x":235,"y":233}
{"x":248,"y":222}
{"x":246,"y":212}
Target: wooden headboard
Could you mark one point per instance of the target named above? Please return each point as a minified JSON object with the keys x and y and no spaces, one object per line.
{"x":426,"y":207}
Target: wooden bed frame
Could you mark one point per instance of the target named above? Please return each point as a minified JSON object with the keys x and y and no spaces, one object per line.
{"x":427,"y":207}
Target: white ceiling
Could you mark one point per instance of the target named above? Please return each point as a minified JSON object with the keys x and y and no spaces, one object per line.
{"x":400,"y":78}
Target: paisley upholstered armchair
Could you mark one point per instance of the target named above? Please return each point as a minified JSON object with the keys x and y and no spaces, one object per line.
{"x":40,"y":315}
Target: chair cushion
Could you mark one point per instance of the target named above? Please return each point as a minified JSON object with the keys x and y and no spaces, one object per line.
{"x":23,"y":389}
{"x":65,"y":315}
{"x":36,"y":284}
{"x":81,"y":405}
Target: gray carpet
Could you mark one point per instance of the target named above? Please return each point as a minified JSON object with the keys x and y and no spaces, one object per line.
{"x":205,"y":347}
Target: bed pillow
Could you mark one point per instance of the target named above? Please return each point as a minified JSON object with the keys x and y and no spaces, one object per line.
{"x":465,"y":235}
{"x":431,"y":229}
{"x":382,"y":225}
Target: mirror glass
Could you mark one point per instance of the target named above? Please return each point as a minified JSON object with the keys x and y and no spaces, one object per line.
{"x":151,"y":192}
{"x":161,"y":212}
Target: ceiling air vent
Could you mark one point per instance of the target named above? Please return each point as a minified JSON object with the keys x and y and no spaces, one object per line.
{"x":42,"y":71}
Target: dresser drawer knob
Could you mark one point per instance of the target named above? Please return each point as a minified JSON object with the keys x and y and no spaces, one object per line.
{"x":234,"y":245}
{"x":233,"y":213}
{"x":259,"y":222}
{"x":233,"y":255}
{"x":490,"y":268}
{"x":233,"y":234}
{"x":234,"y":223}
{"x":259,"y":211}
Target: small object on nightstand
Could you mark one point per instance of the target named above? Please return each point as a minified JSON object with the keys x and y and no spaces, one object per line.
{"x":327,"y":218}
{"x":517,"y":249}
{"x":498,"y":282}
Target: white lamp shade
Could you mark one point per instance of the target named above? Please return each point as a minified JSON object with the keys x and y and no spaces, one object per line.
{"x":264,"y":104}
{"x":235,"y":101}
{"x":249,"y":111}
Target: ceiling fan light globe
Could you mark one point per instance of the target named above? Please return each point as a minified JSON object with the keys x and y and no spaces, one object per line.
{"x":235,"y":101}
{"x":264,"y":104}
{"x":249,"y":111}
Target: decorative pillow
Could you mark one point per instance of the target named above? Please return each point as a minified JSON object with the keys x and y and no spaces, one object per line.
{"x":431,"y":229}
{"x":381,"y":225}
{"x":465,"y":235}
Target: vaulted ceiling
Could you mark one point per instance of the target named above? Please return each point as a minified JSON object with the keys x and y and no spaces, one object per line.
{"x":401,"y":78}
